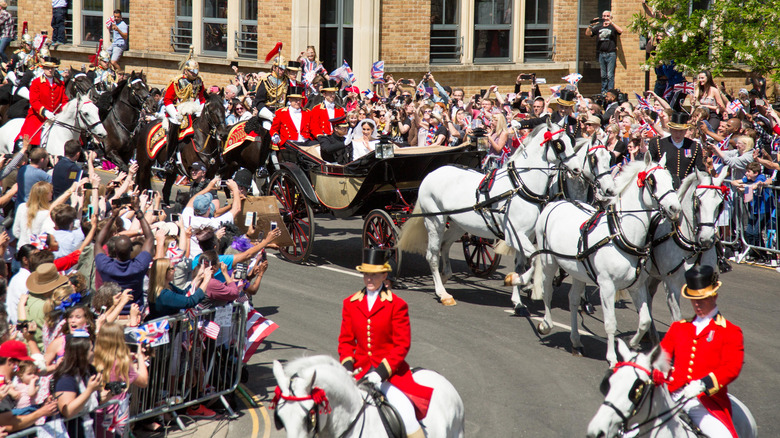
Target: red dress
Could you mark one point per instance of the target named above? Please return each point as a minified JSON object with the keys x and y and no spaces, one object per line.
{"x":43,"y":96}
{"x":715,"y":356}
{"x":320,"y":121}
{"x":379,"y":339}
{"x":284,"y":126}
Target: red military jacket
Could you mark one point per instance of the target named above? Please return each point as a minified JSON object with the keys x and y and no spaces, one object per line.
{"x":284,"y":126}
{"x":179,"y":85}
{"x":714,"y":356}
{"x":379,"y":340}
{"x":43,"y":96}
{"x":320,"y":121}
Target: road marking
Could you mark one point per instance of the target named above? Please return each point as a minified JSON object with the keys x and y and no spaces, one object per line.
{"x":561,"y":326}
{"x":253,"y":414}
{"x":331,"y":268}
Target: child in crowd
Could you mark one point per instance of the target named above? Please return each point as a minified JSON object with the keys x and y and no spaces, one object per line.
{"x":25,"y":386}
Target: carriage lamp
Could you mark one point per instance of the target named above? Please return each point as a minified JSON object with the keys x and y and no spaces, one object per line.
{"x":385,"y":148}
{"x":479,"y":138}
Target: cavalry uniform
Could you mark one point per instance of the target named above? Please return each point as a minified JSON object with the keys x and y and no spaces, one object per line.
{"x":187,"y":87}
{"x":291,"y":124}
{"x":45,"y":96}
{"x":21,"y":66}
{"x":271,"y":93}
{"x":680,"y":162}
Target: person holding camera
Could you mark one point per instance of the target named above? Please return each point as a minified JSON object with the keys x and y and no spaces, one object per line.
{"x":607,"y":33}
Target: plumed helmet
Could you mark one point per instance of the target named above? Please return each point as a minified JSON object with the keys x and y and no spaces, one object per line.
{"x":104,"y":56}
{"x":280,"y":62}
{"x":27,"y":39}
{"x":192,"y":66}
{"x":44,"y":52}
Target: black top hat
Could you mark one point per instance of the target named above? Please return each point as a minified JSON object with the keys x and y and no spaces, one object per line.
{"x":293,"y":65}
{"x":374,"y":261}
{"x":339,"y":121}
{"x":50,"y":61}
{"x":295,"y":91}
{"x":568,"y":97}
{"x":679,"y":121}
{"x":330,"y":85}
{"x":701,"y":282}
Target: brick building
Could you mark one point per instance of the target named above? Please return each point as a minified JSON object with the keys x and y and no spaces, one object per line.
{"x":468,"y":43}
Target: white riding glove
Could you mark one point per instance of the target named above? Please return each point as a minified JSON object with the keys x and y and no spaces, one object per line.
{"x":374,"y":378}
{"x":693,"y":389}
{"x":173,"y":114}
{"x":276,"y":139}
{"x":48,"y":114}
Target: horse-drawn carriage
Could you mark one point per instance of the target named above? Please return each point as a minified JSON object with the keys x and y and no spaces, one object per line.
{"x":381,"y":190}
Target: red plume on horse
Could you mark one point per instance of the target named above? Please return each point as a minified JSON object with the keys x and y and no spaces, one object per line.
{"x":94,"y":58}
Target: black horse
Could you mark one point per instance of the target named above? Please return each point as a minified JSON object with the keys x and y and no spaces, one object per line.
{"x":128,"y":100}
{"x":204,"y":146}
{"x":252,"y":155}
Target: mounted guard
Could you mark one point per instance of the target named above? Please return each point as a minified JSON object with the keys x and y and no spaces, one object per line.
{"x":22,"y":62}
{"x":271,"y":92}
{"x":184,"y":96}
{"x":102,"y":75}
{"x":47,"y":97}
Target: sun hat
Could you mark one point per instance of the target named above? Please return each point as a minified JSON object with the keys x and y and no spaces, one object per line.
{"x":45,"y":279}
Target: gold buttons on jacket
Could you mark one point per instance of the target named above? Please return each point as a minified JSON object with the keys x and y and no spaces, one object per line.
{"x":368,"y":321}
{"x":690,"y":370}
{"x":693,"y":349}
{"x":369,"y":353}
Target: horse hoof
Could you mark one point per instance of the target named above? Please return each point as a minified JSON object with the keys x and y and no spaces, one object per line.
{"x":449,"y":302}
{"x":511,"y":279}
{"x":521,"y":310}
{"x":578,"y":351}
{"x":543,"y":328}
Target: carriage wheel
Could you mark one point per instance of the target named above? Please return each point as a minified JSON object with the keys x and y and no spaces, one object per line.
{"x":379,"y":231}
{"x":296,"y":213}
{"x":480,"y":255}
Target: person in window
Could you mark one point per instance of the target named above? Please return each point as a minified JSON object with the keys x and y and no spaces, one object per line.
{"x":119,"y":31}
{"x":607,"y":32}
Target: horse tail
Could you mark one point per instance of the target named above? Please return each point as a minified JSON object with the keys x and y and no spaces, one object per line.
{"x":503,"y":249}
{"x":538,"y":283}
{"x":414,"y":236}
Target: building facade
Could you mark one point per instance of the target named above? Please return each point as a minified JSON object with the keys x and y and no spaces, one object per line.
{"x":468,"y":43}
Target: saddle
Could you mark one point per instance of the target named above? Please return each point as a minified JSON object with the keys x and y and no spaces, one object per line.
{"x":391,"y":419}
{"x":155,"y":140}
{"x":237,"y":136}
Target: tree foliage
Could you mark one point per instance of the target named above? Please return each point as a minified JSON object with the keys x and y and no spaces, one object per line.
{"x":726,"y":35}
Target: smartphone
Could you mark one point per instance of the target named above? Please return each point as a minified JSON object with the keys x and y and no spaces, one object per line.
{"x":239,"y":273}
{"x":158,"y":212}
{"x":263,"y":255}
{"x":760,"y":102}
{"x":90,"y":211}
{"x":250,"y":220}
{"x":87,"y":186}
{"x":274,"y":225}
{"x":526,"y":77}
{"x":175,"y":217}
{"x":150,"y":194}
{"x":482,"y":91}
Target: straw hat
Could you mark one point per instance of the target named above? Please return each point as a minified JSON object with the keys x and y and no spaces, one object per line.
{"x":679,"y":121}
{"x":45,"y":279}
{"x":701,"y":282}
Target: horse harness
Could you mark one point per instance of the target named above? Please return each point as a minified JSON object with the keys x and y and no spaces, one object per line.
{"x":642,"y":391}
{"x":79,"y":117}
{"x":139,"y":100}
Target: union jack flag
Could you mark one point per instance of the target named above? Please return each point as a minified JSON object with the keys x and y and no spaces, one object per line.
{"x":150,"y":332}
{"x":648,"y":129}
{"x":556,"y":91}
{"x":668,"y":93}
{"x":685,"y":87}
{"x":371,"y":95}
{"x":344,"y":73}
{"x":572,"y":78}
{"x":378,"y":72}
{"x":735,"y":106}
{"x":258,"y":329}
{"x":724,"y":146}
{"x":776,"y":144}
{"x":643,"y":103}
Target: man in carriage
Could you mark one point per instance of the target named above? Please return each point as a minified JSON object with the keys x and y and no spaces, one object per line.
{"x":183,"y":96}
{"x":333,"y":147}
{"x":271,"y":92}
{"x":292,"y":70}
{"x":683,"y":155}
{"x":322,"y":114}
{"x":292,"y":122}
{"x":707,"y":353}
{"x":47,"y":97}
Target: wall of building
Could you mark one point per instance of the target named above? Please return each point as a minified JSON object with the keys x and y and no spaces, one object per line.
{"x":406,"y":32}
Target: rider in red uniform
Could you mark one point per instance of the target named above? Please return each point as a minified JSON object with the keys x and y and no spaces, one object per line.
{"x":47,"y":97}
{"x":707,"y":353}
{"x":375,"y":338}
{"x":185,"y":88}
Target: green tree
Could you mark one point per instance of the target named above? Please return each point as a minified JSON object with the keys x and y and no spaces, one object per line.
{"x":718,"y":35}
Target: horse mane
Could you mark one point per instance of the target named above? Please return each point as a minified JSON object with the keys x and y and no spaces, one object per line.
{"x":627,"y":175}
{"x":117,"y":92}
{"x":687,"y":186}
{"x":539,"y":128}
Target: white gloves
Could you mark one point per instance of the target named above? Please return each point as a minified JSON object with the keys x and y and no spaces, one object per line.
{"x":374,"y":379}
{"x":48,"y":114}
{"x":173,"y":114}
{"x":275,"y":140}
{"x":693,"y":389}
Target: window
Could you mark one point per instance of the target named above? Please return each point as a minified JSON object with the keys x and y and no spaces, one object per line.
{"x":91,"y":22}
{"x":336,"y":32}
{"x":445,"y":39}
{"x":539,"y":41}
{"x":215,"y":27}
{"x":246,"y":41}
{"x":492,"y":30}
{"x":181,"y":33}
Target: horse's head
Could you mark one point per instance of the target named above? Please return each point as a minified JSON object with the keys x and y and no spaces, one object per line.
{"x":214,"y":113}
{"x":596,"y":166}
{"x":87,"y":118}
{"x":299,"y":406}
{"x":78,"y":84}
{"x":558,"y":146}
{"x":139,"y":92}
{"x":657,"y":185}
{"x":626,"y":389}
{"x":704,"y":205}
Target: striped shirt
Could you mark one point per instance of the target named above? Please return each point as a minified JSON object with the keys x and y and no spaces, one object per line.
{"x":6,"y":24}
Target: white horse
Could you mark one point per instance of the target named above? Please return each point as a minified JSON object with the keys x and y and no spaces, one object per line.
{"x":641,"y":406}
{"x":596,"y":173}
{"x":525,"y":179}
{"x":676,"y":248}
{"x":612,"y":257}
{"x":317,"y":396}
{"x":78,"y":115}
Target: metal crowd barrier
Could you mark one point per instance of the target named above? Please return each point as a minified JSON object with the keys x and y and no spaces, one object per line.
{"x":755,"y":222}
{"x":52,"y":429}
{"x":191,"y":368}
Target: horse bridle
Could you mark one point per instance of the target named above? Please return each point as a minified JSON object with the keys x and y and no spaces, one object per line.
{"x":79,"y":117}
{"x":590,"y":159}
{"x":640,"y":392}
{"x":647,"y":179}
{"x":724,"y":195}
{"x":138,"y":99}
{"x":318,"y":396}
{"x":559,"y":148}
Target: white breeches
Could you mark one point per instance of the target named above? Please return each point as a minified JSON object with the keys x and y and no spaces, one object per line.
{"x":702,"y":418}
{"x":401,"y":403}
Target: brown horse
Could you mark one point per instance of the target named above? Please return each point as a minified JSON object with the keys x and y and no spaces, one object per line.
{"x":252,"y":155}
{"x":204,"y":146}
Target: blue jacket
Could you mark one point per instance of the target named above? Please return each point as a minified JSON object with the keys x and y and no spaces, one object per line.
{"x":172,"y":301}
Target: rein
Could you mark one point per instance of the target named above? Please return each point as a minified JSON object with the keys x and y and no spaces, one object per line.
{"x":317,"y":395}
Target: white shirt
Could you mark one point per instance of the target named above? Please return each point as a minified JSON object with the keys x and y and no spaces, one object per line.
{"x":42,"y":223}
{"x":371,"y":296}
{"x":16,"y":288}
{"x":702,"y":322}
{"x":190,"y":219}
{"x":296,"y":115}
{"x":331,"y":108}
{"x":677,"y":145}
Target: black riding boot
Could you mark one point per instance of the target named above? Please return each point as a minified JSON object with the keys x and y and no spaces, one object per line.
{"x":173,"y":144}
